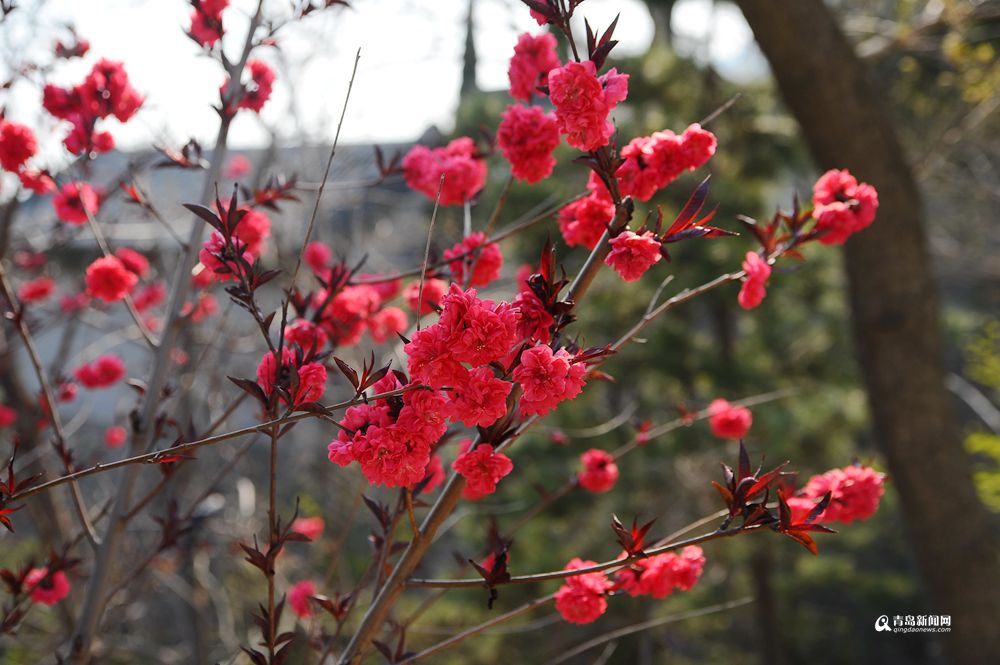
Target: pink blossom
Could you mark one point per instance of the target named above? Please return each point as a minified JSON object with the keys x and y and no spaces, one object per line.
{"x":653,"y":162}
{"x":254,"y":94}
{"x":318,"y":256}
{"x":855,"y":492}
{"x":482,"y":469}
{"x":206,"y":21}
{"x":527,"y":135}
{"x":311,"y":377}
{"x":108,"y":279}
{"x":600,"y":473}
{"x":384,"y":325}
{"x":46,"y":589}
{"x":660,"y":574}
{"x":74,"y":200}
{"x":133,"y":261}
{"x":102,"y":373}
{"x":37,"y":181}
{"x":463,"y":169}
{"x":310,"y":527}
{"x":529,"y":67}
{"x":584,"y":221}
{"x":728,"y":421}
{"x":36,"y":290}
{"x":17,"y":145}
{"x":434,"y":290}
{"x":237,"y":167}
{"x":305,"y":333}
{"x":547,"y":379}
{"x":633,"y":254}
{"x":753,"y":290}
{"x":485,"y":259}
{"x":8,"y":416}
{"x":298,"y":598}
{"x":583,"y":102}
{"x":115,"y":436}
{"x":581,"y":599}
{"x":480,"y":399}
{"x":842,"y":206}
{"x":149,"y":296}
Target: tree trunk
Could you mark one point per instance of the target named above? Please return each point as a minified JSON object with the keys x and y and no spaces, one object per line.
{"x":895,"y":319}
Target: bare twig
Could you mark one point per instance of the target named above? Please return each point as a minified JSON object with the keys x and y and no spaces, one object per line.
{"x":326,"y":172}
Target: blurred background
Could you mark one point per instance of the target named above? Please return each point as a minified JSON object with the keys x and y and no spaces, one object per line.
{"x":887,"y":352}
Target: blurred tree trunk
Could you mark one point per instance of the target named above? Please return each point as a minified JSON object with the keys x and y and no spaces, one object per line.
{"x":895,"y":318}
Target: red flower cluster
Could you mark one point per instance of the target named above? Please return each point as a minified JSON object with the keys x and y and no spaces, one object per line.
{"x":854,"y":494}
{"x":149,"y":296}
{"x":307,"y":386}
{"x":102,"y":373}
{"x":728,"y":421}
{"x":471,"y":331}
{"x":486,"y":263}
{"x":582,"y":598}
{"x":527,"y":135}
{"x":254,"y":95}
{"x":600,"y":473}
{"x":298,"y":598}
{"x":74,"y":201}
{"x":253,"y":229}
{"x":108,"y":279}
{"x":17,"y":145}
{"x":430,"y":299}
{"x":842,"y":206}
{"x":46,"y":589}
{"x":36,"y":290}
{"x":206,"y":21}
{"x":318,"y":256}
{"x":115,"y":436}
{"x":37,"y":181}
{"x":216,"y":262}
{"x":353,"y":310}
{"x":105,"y":91}
{"x":653,"y":162}
{"x":482,"y":469}
{"x":392,"y":444}
{"x":584,"y":221}
{"x":8,"y":416}
{"x":547,"y":379}
{"x":310,"y":527}
{"x":583,"y":101}
{"x":463,"y":169}
{"x":659,"y":575}
{"x":757,"y":273}
{"x":529,"y":67}
{"x":632,"y":254}
{"x":133,"y":260}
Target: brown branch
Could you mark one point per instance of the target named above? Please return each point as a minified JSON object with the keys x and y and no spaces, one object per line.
{"x":326,"y":173}
{"x":646,"y":625}
{"x":53,"y":412}
{"x":475,"y":630}
{"x":151,"y":457}
{"x":596,"y":568}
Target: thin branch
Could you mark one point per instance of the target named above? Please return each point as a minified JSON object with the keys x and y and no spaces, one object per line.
{"x":596,"y":568}
{"x":475,"y":630}
{"x":427,"y":251}
{"x":152,"y":457}
{"x":326,"y":173}
{"x":53,"y":410}
{"x":646,"y":625}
